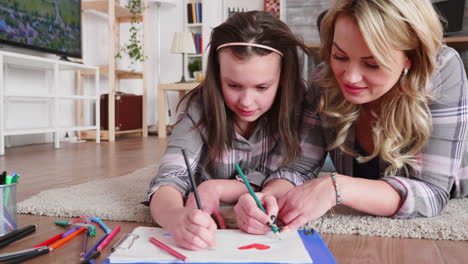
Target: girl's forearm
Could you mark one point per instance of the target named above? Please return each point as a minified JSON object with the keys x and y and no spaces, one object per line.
{"x":277,"y":188}
{"x":370,"y":196}
{"x":165,"y":200}
{"x":230,"y":190}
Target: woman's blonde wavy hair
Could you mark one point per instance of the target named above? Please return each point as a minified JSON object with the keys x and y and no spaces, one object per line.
{"x":404,"y":123}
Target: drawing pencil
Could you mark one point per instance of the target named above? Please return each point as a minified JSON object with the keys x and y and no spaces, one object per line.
{"x":84,"y":243}
{"x":117,"y":244}
{"x":90,"y":257}
{"x":30,"y":256}
{"x":252,"y":192}
{"x":16,"y":232}
{"x":192,"y":180}
{"x":17,"y":237}
{"x":168,"y":249}
{"x":93,"y":248}
{"x":19,"y":253}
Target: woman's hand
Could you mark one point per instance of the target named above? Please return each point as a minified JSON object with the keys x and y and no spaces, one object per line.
{"x":307,"y":202}
{"x":191,"y":228}
{"x":210,"y":195}
{"x":250,"y":218}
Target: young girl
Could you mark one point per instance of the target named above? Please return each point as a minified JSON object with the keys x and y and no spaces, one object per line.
{"x":248,"y":107}
{"x":393,"y":104}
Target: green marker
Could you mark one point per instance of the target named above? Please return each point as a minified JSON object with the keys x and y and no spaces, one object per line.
{"x":8,"y":180}
{"x":16,"y":178}
{"x":62,"y":223}
{"x":259,"y":204}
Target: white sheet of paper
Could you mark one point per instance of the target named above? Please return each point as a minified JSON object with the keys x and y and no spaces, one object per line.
{"x":289,"y":249}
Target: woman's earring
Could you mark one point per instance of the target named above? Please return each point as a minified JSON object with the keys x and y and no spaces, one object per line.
{"x":405,"y":71}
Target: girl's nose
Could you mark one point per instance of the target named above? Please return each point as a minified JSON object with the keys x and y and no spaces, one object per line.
{"x":246,"y":98}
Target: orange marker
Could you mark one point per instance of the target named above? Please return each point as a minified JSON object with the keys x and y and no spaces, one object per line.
{"x":66,"y":239}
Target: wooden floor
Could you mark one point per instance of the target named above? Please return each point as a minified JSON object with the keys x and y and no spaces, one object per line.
{"x":43,"y":167}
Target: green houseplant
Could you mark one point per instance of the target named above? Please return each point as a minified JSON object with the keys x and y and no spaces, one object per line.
{"x":133,"y":47}
{"x":194,"y":66}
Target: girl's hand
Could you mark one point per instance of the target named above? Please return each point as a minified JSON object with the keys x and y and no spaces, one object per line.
{"x":307,"y":202}
{"x":191,"y":228}
{"x":210,"y":193}
{"x":252,"y":219}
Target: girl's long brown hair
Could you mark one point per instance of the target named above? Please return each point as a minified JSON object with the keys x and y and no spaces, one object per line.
{"x":284,"y":116}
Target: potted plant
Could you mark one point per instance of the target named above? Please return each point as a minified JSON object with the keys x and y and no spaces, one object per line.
{"x":133,"y":47}
{"x":194,"y":66}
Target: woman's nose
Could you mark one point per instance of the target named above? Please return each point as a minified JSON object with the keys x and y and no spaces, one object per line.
{"x":352,"y":74}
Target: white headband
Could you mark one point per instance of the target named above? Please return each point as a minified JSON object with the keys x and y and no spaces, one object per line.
{"x":250,"y":44}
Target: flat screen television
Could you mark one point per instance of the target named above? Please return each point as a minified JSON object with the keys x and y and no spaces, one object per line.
{"x":453,"y":12}
{"x":52,"y":26}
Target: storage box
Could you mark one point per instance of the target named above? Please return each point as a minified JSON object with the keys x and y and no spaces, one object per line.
{"x":128,"y":111}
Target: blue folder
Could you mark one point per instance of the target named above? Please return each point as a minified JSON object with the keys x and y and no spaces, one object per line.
{"x":318,"y":251}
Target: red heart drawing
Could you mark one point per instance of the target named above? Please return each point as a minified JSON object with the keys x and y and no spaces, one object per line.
{"x":256,"y":246}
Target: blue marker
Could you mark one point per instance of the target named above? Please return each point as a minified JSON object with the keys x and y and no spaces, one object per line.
{"x":99,"y":221}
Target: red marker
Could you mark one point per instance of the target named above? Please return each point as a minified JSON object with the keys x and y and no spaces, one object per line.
{"x":50,"y":241}
{"x":108,"y":238}
{"x":167,"y":248}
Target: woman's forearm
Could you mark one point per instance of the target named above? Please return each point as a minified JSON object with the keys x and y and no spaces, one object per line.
{"x":370,"y":196}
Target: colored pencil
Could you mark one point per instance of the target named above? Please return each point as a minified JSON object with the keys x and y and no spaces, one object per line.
{"x":192,"y":180}
{"x":108,"y":238}
{"x":66,"y":239}
{"x":168,"y":249}
{"x":117,"y":244}
{"x":93,"y":248}
{"x":84,"y":243}
{"x":92,"y":256}
{"x":252,"y":192}
{"x":50,"y":241}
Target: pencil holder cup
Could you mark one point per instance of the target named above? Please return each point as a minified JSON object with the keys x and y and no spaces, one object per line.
{"x":8,"y":204}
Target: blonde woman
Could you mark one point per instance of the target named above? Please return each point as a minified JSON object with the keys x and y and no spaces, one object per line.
{"x":390,"y":104}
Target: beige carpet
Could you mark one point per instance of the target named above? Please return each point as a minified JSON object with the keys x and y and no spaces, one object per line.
{"x":120,"y":199}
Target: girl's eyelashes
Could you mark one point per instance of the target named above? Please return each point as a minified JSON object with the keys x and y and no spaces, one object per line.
{"x":262,"y":87}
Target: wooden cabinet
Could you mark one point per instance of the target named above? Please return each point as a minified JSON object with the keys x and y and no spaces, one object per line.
{"x":117,"y":15}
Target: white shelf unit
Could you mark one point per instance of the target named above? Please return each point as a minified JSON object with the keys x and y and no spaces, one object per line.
{"x":195,"y":28}
{"x":53,"y":96}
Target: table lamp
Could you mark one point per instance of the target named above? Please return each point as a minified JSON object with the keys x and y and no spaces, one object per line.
{"x":183,"y":43}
